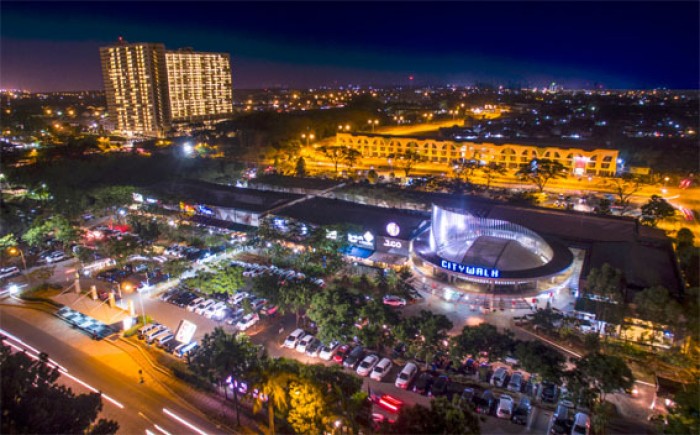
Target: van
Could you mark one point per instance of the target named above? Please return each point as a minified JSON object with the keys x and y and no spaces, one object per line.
{"x":185,"y":349}
{"x":155,"y":332}
{"x":162,"y":339}
{"x":98,"y":265}
{"x":145,"y":328}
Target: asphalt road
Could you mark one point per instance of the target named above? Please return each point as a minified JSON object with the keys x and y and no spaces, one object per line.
{"x":145,"y":407}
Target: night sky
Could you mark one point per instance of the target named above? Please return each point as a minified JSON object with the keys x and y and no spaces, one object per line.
{"x":54,"y":46}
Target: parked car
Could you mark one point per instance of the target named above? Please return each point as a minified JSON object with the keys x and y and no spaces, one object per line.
{"x":394,"y":301}
{"x":247,"y":321}
{"x":234,"y":316}
{"x":9,"y":272}
{"x":367,"y":364}
{"x":404,"y":378}
{"x":499,"y":377}
{"x":304,"y":342}
{"x":341,"y":353}
{"x":516,"y":382}
{"x":522,"y":412}
{"x":199,"y":309}
{"x":326,"y":352}
{"x":354,"y":357}
{"x":237,"y":299}
{"x":505,"y":407}
{"x":465,"y":399}
{"x":381,"y":369}
{"x":313,"y":348}
{"x":293,"y":338}
{"x":145,"y":328}
{"x":424,"y":382}
{"x":485,"y":403}
{"x":549,"y":392}
{"x":440,"y":385}
{"x":582,"y":424}
{"x":562,"y":419}
{"x":194,"y":304}
{"x":55,"y":256}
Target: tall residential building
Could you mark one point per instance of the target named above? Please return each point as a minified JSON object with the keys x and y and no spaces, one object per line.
{"x":150,"y":89}
{"x":199,"y":85}
{"x":135,"y":81}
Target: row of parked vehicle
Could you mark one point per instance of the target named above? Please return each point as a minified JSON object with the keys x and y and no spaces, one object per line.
{"x":230,"y":310}
{"x":164,"y":338}
{"x":253,"y":270}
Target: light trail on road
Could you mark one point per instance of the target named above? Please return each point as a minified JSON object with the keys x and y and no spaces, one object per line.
{"x":183,"y":421}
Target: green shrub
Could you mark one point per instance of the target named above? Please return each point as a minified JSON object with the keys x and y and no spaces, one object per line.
{"x":134,"y":329}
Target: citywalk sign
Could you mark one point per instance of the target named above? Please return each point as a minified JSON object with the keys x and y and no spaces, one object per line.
{"x":483,"y":272}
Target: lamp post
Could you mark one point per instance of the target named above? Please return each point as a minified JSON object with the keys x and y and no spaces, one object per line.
{"x":14,"y":250}
{"x":308,"y":137}
{"x":373,"y":123}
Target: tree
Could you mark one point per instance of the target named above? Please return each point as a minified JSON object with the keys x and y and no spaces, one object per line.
{"x":605,"y":283}
{"x":603,"y":207}
{"x":540,"y":171}
{"x":225,"y":356}
{"x":301,"y":167}
{"x":624,"y":190}
{"x":605,"y":373}
{"x":340,"y":154}
{"x":32,"y":401}
{"x":656,"y":209}
{"x":372,"y":176}
{"x":443,"y":417}
{"x":56,"y":225}
{"x":175,"y":268}
{"x":481,"y":338}
{"x":685,"y":238}
{"x":539,"y":358}
{"x":492,"y":170}
{"x":684,"y":417}
{"x":656,"y":305}
{"x":465,"y":167}
{"x":407,"y":160}
{"x":7,"y":241}
{"x":334,"y":312}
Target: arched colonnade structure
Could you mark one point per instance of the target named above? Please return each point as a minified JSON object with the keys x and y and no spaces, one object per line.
{"x":601,"y":162}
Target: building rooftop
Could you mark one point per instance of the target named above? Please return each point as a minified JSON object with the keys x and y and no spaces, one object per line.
{"x":200,"y":192}
{"x":325,"y":211}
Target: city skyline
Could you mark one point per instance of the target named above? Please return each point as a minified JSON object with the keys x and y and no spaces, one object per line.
{"x":54,"y":46}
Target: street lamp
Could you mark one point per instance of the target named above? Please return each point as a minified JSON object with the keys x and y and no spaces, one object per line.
{"x":13,"y":250}
{"x":308,"y":137}
{"x":373,"y":123}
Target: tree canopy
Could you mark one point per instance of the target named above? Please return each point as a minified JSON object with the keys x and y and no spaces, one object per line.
{"x":540,"y":171}
{"x":443,"y":417}
{"x":32,"y":401}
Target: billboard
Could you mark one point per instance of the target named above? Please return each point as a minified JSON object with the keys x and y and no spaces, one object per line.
{"x":185,"y":331}
{"x":392,"y":246}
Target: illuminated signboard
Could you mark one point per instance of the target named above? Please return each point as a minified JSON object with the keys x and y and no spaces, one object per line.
{"x":470,"y":270}
{"x":185,"y":331}
{"x":137,"y":197}
{"x":393,"y":246}
{"x":203,"y":209}
{"x":393,"y":229}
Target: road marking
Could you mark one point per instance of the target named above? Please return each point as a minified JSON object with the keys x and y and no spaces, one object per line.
{"x":161,"y":429}
{"x":183,"y":421}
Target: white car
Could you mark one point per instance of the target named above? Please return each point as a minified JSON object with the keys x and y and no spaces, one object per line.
{"x":194,"y":304}
{"x":367,"y":364}
{"x":202,"y":307}
{"x":9,"y":272}
{"x":214,"y":310}
{"x":327,"y":352}
{"x":394,"y":301}
{"x":55,"y":256}
{"x":381,"y":369}
{"x":293,"y":338}
{"x":406,"y":376}
{"x":238,"y":298}
{"x":301,"y":346}
{"x":582,"y":424}
{"x":505,"y":407}
{"x":247,"y":321}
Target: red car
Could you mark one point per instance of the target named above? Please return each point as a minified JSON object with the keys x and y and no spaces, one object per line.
{"x":390,"y":403}
{"x":342,"y":352}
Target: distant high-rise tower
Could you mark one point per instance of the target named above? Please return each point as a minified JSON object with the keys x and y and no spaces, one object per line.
{"x":135,"y":81}
{"x":149,"y":89}
{"x":199,"y":85}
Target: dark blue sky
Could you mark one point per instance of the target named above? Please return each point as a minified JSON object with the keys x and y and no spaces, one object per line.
{"x":54,"y":46}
